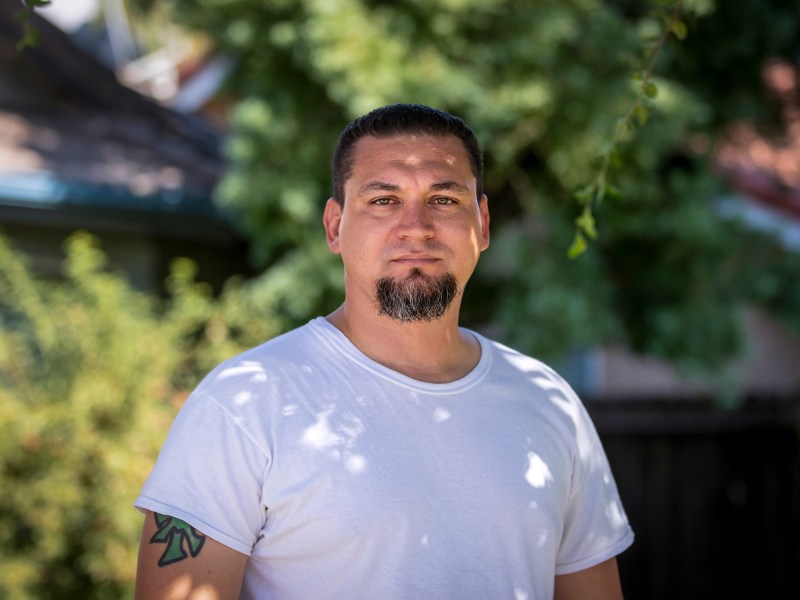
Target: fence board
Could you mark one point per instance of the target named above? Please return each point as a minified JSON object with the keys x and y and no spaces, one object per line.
{"x":714,"y":497}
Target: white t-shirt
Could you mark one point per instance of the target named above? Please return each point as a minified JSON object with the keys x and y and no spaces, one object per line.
{"x":341,"y":478}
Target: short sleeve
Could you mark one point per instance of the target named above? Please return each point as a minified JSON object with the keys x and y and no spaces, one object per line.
{"x":596,"y":527}
{"x":210,"y":474}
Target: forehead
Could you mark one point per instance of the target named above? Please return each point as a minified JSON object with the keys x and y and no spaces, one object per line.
{"x":410,"y":153}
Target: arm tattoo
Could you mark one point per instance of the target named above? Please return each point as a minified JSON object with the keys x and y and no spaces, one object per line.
{"x":173,"y":532}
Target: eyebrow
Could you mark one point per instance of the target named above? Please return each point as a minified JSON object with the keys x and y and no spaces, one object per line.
{"x":441,"y":186}
{"x":378,"y":186}
{"x":450,"y":186}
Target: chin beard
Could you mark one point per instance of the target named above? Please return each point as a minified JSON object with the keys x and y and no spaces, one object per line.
{"x":418,"y":297}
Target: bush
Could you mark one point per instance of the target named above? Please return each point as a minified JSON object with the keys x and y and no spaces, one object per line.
{"x":91,"y":376}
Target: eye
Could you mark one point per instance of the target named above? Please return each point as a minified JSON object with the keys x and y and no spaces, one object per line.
{"x":382,"y":201}
{"x":443,"y":200}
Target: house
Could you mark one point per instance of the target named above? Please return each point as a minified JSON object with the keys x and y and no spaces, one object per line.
{"x":79,"y":150}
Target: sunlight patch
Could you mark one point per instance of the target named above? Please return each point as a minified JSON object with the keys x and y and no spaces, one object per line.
{"x":538,"y":474}
{"x":319,"y":435}
{"x":440,"y":414}
{"x":247,"y":367}
{"x":242,"y":398}
{"x":356,"y":463}
{"x":541,"y":541}
{"x":615,"y":515}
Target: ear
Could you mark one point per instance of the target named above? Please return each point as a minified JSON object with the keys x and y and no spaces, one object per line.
{"x":483,"y":207}
{"x":331,"y":219}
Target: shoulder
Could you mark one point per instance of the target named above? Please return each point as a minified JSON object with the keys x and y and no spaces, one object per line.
{"x":544,"y":390}
{"x":267,"y":363}
{"x":250,"y":389}
{"x":513,"y":364}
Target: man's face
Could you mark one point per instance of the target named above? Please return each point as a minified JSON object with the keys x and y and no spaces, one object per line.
{"x":410,"y":220}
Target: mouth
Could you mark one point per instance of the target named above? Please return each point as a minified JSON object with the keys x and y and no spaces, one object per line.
{"x":415,"y":262}
{"x":415,"y":259}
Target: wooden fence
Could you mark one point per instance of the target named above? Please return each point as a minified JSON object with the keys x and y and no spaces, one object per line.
{"x":713,"y":496}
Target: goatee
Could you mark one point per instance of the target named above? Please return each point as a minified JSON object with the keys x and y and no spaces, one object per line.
{"x":418,"y":297}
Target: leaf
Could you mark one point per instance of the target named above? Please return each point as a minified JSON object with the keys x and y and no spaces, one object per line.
{"x":680,"y":30}
{"x":586,"y":223}
{"x":29,"y":40}
{"x":578,"y":246}
{"x":601,"y":187}
{"x":613,"y":192}
{"x":585,"y":194}
{"x":651,"y":89}
{"x":642,"y":114}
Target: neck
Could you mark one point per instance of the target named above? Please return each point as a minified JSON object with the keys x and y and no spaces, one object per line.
{"x":434,"y":352}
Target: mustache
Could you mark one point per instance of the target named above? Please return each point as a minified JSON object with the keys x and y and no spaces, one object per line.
{"x":434,"y":247}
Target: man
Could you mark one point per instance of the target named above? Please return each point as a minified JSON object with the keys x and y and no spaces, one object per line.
{"x":383,"y":452}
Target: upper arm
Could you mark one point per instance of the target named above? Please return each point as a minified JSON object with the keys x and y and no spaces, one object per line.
{"x":176,"y":561}
{"x":600,"y":582}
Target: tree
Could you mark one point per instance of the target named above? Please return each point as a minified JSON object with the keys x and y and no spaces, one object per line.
{"x":543,"y":83}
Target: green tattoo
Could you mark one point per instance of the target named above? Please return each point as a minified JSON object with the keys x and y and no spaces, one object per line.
{"x":173,"y":532}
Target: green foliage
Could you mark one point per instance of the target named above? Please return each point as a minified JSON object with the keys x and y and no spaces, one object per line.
{"x":30,"y":35}
{"x":588,"y":95}
{"x":723,"y":56}
{"x":663,"y":24}
{"x":91,"y":375}
{"x":527,"y":77}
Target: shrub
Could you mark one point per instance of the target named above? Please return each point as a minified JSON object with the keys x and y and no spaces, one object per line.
{"x":91,"y":376}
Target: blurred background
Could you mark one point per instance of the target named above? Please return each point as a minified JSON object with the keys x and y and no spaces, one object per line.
{"x":163,"y":167}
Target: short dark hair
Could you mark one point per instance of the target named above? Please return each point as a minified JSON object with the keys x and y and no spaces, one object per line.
{"x":401,"y":119}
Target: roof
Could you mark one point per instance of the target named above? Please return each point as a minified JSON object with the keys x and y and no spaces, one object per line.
{"x":767,"y":169}
{"x":75,"y":141}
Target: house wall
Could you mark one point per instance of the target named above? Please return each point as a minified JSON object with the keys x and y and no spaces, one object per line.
{"x":143,"y":259}
{"x":769,"y":366}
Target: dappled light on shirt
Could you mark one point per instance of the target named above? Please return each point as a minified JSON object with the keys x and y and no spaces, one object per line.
{"x":616,"y":516}
{"x":538,"y":473}
{"x":244,"y":368}
{"x":336,"y":440}
{"x":242,"y":397}
{"x":440,"y":414}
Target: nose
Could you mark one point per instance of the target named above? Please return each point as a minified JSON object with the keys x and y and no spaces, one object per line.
{"x":415,"y":220}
